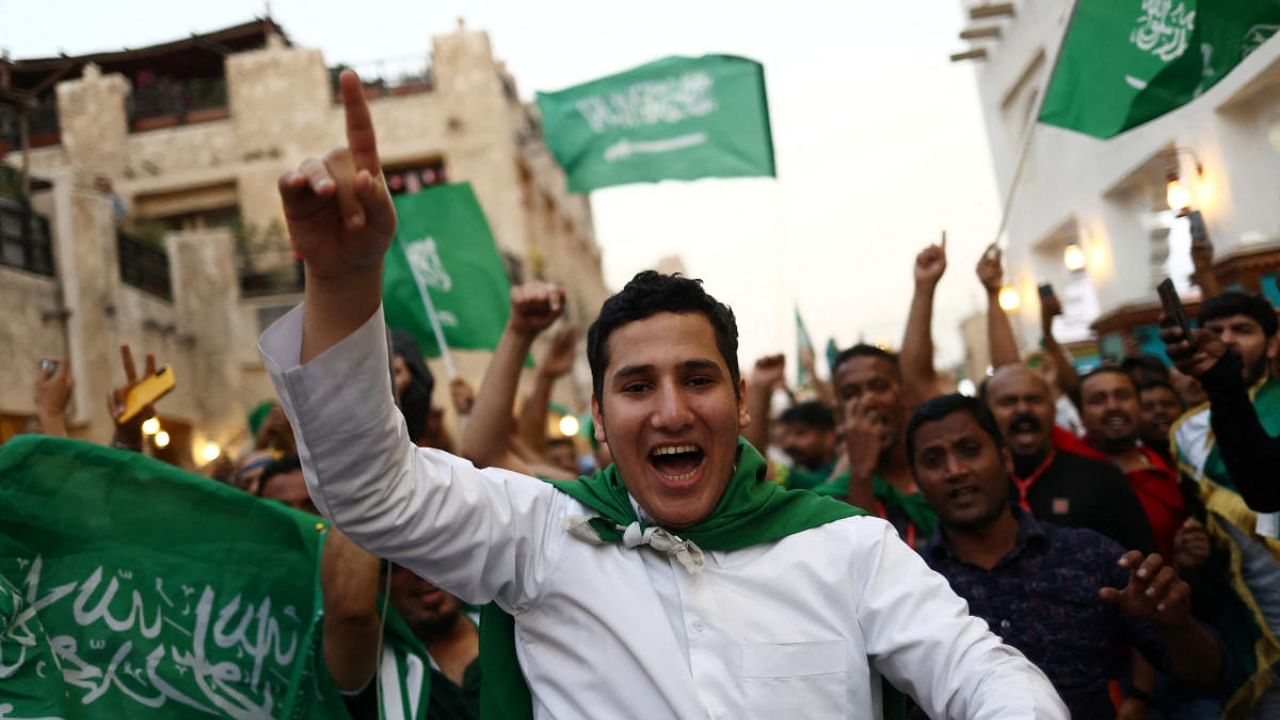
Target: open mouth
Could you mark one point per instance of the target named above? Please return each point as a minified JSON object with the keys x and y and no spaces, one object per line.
{"x":1116,"y":422}
{"x":963,"y":495}
{"x":676,"y":463}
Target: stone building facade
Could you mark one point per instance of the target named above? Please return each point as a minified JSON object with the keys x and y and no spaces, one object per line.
{"x":206,"y":179}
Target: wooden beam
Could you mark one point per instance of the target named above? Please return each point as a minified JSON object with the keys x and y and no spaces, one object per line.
{"x":981,"y":33}
{"x":975,"y":54}
{"x":990,"y":10}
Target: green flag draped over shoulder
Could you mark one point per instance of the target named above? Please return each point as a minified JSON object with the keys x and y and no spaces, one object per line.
{"x":1125,"y":62}
{"x":443,"y":247}
{"x":679,"y":118}
{"x":162,"y":594}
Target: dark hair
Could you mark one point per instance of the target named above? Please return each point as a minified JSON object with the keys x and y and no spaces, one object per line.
{"x":865,"y":350}
{"x":1143,"y":361}
{"x":646,"y":295}
{"x":815,"y":414}
{"x":1153,"y":384}
{"x":415,"y":401}
{"x":1237,"y":303}
{"x":284,"y":465}
{"x":1103,"y":370}
{"x":944,"y":406}
{"x":558,"y":441}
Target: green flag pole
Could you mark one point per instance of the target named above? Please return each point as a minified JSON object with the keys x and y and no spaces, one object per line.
{"x":1031,"y":132}
{"x":450,"y":369}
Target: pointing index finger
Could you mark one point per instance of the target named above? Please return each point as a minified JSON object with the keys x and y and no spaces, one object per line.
{"x":361,"y":140}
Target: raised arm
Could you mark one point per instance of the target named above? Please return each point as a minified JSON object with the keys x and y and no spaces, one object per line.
{"x":349,"y":583}
{"x":767,"y":375}
{"x":1064,"y":372}
{"x":919,"y":378}
{"x":1004,"y":349}
{"x":341,"y":222}
{"x":555,"y":363}
{"x":486,"y":439}
{"x":53,"y":392}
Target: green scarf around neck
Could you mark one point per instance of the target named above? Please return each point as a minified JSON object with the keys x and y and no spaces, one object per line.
{"x":751,"y":511}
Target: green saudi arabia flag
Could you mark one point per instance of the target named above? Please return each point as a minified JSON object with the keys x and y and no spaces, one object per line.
{"x":132,"y":589}
{"x":1125,"y":62}
{"x":443,"y":247}
{"x":679,"y":118}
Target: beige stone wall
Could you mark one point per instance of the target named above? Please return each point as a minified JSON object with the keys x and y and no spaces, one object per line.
{"x":281,"y":111}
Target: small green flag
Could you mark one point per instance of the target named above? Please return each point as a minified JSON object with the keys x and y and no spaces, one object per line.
{"x":679,"y":118}
{"x":803,"y":344}
{"x":832,"y":352}
{"x":443,"y":246}
{"x":143,"y":591}
{"x":1125,"y":62}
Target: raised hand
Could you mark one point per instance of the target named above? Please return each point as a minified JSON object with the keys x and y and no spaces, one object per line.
{"x":337,"y":207}
{"x":557,"y":358}
{"x":462,"y":395}
{"x":931,"y":263}
{"x":769,"y":373}
{"x":863,"y":431}
{"x":1195,"y":355}
{"x":534,"y":307}
{"x":129,"y":432}
{"x":53,"y":392}
{"x":991,"y":270}
{"x":1155,"y":592}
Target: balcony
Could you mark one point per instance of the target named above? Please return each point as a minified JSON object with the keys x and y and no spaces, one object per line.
{"x":143,"y":265}
{"x":24,"y":238}
{"x":164,"y":102}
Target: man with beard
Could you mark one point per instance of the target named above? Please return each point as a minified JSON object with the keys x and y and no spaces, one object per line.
{"x":1064,"y":596}
{"x":1161,"y":407}
{"x":1053,"y":484}
{"x":1109,"y":409}
{"x":868,"y":384}
{"x":1227,"y":449}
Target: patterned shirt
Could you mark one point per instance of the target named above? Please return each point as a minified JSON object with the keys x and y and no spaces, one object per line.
{"x":1042,"y":598}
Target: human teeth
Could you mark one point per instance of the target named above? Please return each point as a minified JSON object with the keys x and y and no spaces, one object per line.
{"x":675,"y":449}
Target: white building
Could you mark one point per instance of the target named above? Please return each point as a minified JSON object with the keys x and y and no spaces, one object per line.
{"x":1109,"y":196}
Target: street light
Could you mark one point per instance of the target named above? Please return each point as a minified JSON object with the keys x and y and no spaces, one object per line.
{"x":1073,"y":257}
{"x":1009,"y":299}
{"x":1178,"y":197}
{"x":568,"y":426}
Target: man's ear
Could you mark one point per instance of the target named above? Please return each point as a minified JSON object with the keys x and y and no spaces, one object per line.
{"x":1273,"y":346}
{"x":744,"y":415}
{"x":597,"y":418}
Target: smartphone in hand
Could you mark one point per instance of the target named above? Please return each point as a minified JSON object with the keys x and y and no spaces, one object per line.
{"x":147,"y":391}
{"x":1173,"y":307}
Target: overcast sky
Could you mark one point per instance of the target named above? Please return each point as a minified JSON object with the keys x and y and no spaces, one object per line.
{"x":878,"y":138}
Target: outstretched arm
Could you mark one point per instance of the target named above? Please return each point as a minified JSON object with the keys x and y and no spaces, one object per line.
{"x":349,"y":583}
{"x":919,"y":378}
{"x":1004,"y":348}
{"x":486,"y":439}
{"x":766,"y":376}
{"x":556,"y":362}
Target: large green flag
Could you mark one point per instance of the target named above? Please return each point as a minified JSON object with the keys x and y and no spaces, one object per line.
{"x":679,"y":118}
{"x":1125,"y":62}
{"x":132,"y":589}
{"x":443,"y":248}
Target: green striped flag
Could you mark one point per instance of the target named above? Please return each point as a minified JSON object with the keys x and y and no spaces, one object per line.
{"x":679,"y":118}
{"x":443,"y":247}
{"x":132,"y":589}
{"x":1124,"y":63}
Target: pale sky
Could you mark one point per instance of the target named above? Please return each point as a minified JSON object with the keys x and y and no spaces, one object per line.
{"x":879,"y":139}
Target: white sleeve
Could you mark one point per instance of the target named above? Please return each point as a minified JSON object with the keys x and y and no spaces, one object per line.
{"x":921,"y":637}
{"x":480,"y":534}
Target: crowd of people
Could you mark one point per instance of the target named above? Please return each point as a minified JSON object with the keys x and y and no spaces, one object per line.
{"x":1064,"y":544}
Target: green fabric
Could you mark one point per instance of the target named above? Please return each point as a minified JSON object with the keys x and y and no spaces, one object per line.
{"x":803,"y":343}
{"x":444,"y":249}
{"x":798,"y":478}
{"x":258,"y":415}
{"x":401,"y":641}
{"x":28,"y":662}
{"x":912,"y":506}
{"x":169,"y":595}
{"x":679,"y":118}
{"x":1125,"y":63}
{"x":751,"y":511}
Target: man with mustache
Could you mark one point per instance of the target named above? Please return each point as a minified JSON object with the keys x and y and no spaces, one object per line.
{"x":1054,"y":484}
{"x":1110,"y":411}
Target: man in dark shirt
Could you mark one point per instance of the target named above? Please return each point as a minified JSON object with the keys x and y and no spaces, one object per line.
{"x":1065,"y":597}
{"x":1161,"y":407}
{"x":1055,"y":485}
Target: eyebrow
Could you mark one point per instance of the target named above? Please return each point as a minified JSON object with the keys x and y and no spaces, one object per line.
{"x":629,"y":371}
